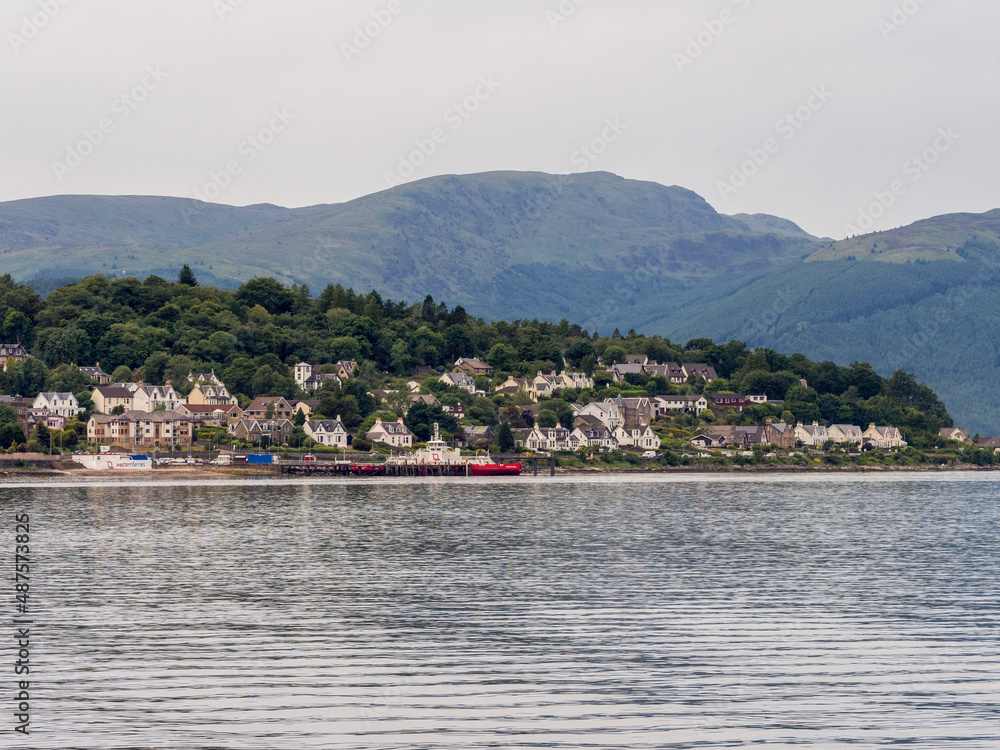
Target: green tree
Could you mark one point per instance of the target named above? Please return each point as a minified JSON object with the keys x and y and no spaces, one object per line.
{"x":27,"y":378}
{"x":40,"y":436}
{"x":505,"y":438}
{"x":400,"y":358}
{"x":186,"y":276}
{"x":65,"y":345}
{"x":67,"y":378}
{"x":263,"y":380}
{"x":501,"y":357}
{"x":547,"y":418}
{"x":266,"y":292}
{"x":121,"y":374}
{"x":421,"y":417}
{"x":238,"y":377}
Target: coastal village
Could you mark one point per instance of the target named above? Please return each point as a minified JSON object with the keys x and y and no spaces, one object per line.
{"x":201,"y":413}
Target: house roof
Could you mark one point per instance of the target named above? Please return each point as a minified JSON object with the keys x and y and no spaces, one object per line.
{"x":476,"y":430}
{"x":476,"y":364}
{"x":326,"y":425}
{"x":425,"y":398}
{"x":458,"y":378}
{"x":164,"y":415}
{"x":626,"y":369}
{"x":390,"y":428}
{"x":203,"y":408}
{"x":260,"y":403}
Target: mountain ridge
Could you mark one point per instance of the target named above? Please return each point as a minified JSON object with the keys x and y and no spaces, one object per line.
{"x":594,"y":247}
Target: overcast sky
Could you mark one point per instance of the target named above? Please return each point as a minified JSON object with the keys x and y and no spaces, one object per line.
{"x":836,"y":115}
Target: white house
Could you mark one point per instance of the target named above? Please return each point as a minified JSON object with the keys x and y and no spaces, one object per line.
{"x":151,"y":397}
{"x":595,"y":436}
{"x":545,"y":439}
{"x":459,"y":380}
{"x":664,"y":405}
{"x":642,"y":437}
{"x":63,"y":404}
{"x":327,"y":432}
{"x":607,"y":411}
{"x":309,"y":377}
{"x":395,"y":434}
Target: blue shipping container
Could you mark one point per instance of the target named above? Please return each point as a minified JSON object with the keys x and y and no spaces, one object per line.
{"x":260,"y":458}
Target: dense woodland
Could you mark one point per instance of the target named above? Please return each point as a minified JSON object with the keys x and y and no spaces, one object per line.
{"x":252,"y":336}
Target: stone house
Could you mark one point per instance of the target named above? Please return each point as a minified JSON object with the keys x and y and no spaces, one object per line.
{"x":471,"y":366}
{"x":258,"y":408}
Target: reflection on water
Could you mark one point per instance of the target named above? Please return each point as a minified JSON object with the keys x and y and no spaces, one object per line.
{"x":612,"y":613}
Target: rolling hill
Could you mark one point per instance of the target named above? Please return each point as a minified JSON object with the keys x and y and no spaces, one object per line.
{"x":594,"y":248}
{"x":503,"y":244}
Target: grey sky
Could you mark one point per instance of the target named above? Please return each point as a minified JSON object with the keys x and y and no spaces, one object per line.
{"x":306,"y":102}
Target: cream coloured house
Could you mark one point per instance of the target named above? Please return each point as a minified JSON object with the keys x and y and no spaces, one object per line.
{"x":883,"y":437}
{"x":813,"y":435}
{"x":395,"y":434}
{"x":845,"y":433}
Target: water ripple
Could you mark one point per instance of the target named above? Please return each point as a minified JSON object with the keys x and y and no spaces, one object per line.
{"x":609,"y":613}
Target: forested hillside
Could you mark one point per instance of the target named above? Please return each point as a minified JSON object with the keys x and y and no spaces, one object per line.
{"x":252,"y":336}
{"x":934,"y":318}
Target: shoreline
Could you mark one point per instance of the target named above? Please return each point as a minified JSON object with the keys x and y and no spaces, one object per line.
{"x":244,"y":472}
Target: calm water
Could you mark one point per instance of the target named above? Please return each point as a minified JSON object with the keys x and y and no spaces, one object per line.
{"x":611,"y":613}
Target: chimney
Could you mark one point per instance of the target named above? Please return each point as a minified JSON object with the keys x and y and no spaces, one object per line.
{"x":798,"y":424}
{"x":339,"y":419}
{"x":815,"y":423}
{"x":871,"y":425}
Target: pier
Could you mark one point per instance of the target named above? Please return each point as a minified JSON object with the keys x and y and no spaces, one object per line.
{"x":387,"y":469}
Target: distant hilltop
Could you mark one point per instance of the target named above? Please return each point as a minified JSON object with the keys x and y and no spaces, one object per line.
{"x":591,"y":247}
